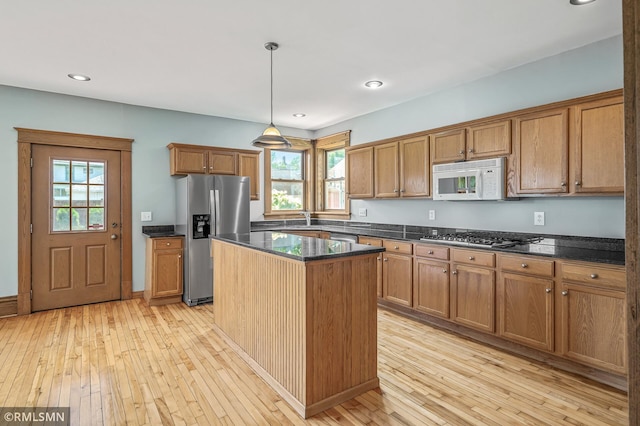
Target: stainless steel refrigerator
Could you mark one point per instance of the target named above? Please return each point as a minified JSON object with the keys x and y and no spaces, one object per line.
{"x":208,"y":205}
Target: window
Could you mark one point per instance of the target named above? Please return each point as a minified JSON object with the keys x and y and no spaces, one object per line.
{"x":287,"y":179}
{"x":308,"y":177}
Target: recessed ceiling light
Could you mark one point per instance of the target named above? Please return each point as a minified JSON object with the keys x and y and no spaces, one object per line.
{"x":79,"y":77}
{"x":299,"y":115}
{"x":579,"y":2}
{"x":373,"y":84}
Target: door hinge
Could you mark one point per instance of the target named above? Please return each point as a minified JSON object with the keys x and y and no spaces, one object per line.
{"x":31,"y":294}
{"x":31,"y":228}
{"x":31,"y":162}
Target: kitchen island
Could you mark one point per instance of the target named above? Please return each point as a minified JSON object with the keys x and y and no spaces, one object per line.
{"x":301,"y":311}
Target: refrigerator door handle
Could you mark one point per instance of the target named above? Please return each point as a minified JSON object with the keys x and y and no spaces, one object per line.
{"x":214,"y":197}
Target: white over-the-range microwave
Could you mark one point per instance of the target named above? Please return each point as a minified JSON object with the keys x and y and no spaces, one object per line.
{"x":469,"y":180}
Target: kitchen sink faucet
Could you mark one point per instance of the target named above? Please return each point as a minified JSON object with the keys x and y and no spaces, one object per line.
{"x":307,"y":216}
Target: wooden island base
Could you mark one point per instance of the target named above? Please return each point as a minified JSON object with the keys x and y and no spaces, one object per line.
{"x":309,"y":329}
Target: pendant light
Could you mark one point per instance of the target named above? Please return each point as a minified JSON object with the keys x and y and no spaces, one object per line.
{"x":271,"y":137}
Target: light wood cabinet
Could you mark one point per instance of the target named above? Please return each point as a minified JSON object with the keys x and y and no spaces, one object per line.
{"x":541,"y":152}
{"x":471,"y":143}
{"x":473,"y":289}
{"x":431,"y":282}
{"x":249,"y":165}
{"x":598,"y":147}
{"x":525,"y":301}
{"x":397,"y":272}
{"x":385,"y":171}
{"x":593,"y":315}
{"x":163,"y":275}
{"x":315,"y":234}
{"x":221,"y":162}
{"x":376,"y":242}
{"x":359,"y":174}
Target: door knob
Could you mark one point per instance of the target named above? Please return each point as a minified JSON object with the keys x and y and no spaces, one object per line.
{"x":114,"y":237}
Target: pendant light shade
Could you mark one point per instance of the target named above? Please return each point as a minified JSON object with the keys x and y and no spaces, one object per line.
{"x":271,"y":137}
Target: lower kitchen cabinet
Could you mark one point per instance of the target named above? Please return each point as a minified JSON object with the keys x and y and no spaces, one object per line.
{"x":473,"y":289}
{"x":315,"y":234}
{"x":593,"y":315}
{"x":376,"y":242}
{"x":163,"y":275}
{"x":431,"y":282}
{"x":397,"y":272}
{"x":525,"y":301}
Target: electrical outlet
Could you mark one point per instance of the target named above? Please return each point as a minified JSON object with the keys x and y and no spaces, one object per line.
{"x":432,"y":215}
{"x":538,"y":218}
{"x":362,"y":212}
{"x":145,"y":217}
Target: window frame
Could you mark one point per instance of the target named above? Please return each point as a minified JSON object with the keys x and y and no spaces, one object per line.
{"x":321,"y":147}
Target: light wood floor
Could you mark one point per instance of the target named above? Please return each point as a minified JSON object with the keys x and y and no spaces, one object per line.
{"x":125,"y":363}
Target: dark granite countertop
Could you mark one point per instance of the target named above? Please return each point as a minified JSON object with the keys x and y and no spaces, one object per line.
{"x":160,"y":231}
{"x":588,"y":249}
{"x":297,"y":247}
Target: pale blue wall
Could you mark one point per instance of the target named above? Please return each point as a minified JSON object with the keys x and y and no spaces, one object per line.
{"x":152,"y":129}
{"x":590,"y":69}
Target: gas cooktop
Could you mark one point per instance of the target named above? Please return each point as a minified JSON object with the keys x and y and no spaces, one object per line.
{"x":471,"y":239}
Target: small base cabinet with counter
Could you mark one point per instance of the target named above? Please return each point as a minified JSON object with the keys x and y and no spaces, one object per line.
{"x":431,"y":282}
{"x":307,"y":325}
{"x":397,"y":272}
{"x":163,"y":275}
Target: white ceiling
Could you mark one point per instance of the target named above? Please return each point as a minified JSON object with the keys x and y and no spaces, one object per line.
{"x":208,"y":56}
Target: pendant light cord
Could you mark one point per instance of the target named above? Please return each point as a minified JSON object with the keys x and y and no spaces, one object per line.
{"x":271,"y":50}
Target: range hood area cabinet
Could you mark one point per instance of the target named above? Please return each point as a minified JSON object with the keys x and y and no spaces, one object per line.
{"x":572,"y":147}
{"x":201,"y":159}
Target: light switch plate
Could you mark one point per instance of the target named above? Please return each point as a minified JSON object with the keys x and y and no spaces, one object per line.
{"x":145,"y":217}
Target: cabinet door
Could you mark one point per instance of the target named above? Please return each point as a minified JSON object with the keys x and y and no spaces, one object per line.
{"x":473,"y":297}
{"x":594,"y":326}
{"x":360,"y":173}
{"x":222,"y":163}
{"x":598,"y":149}
{"x":397,"y":278}
{"x":541,"y":148}
{"x":448,"y":146}
{"x":415,"y":172}
{"x":431,"y":287}
{"x":167,"y":280}
{"x":385,"y":171}
{"x":188,"y":160}
{"x":377,"y":242}
{"x":525,"y":310}
{"x":489,"y":140}
{"x":248,"y":165}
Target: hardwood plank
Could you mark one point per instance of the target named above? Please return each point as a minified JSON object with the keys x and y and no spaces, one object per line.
{"x":127,"y":363}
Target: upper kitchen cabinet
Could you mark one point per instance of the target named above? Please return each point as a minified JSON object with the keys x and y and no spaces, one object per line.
{"x":200,"y":159}
{"x":401,"y":168}
{"x":598,"y":147}
{"x":360,"y":172}
{"x":248,"y":165}
{"x":541,"y":149}
{"x":484,"y":140}
{"x":448,"y":146}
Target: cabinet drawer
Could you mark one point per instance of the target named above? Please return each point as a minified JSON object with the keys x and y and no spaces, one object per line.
{"x":527,"y":265}
{"x":167,"y":243}
{"x":432,"y":252}
{"x":594,"y":275}
{"x":472,"y":257}
{"x":397,"y":247}
{"x":377,"y":242}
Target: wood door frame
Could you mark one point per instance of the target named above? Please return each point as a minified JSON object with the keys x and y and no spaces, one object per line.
{"x":29,"y":137}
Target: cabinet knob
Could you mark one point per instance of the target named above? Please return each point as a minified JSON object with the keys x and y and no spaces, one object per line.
{"x":444,"y":271}
{"x":454,"y":272}
{"x":168,"y":244}
{"x":379,"y":258}
{"x":204,"y":167}
{"x":395,"y":190}
{"x":386,"y":259}
{"x":396,"y":247}
{"x":470,"y":150}
{"x":368,"y":244}
{"x":564,"y":293}
{"x":548,"y":290}
{"x":430,"y":252}
{"x":461,"y":152}
{"x":114,"y":237}
{"x":402,"y":190}
{"x":594,"y":276}
{"x":179,"y":256}
{"x":563,"y":184}
{"x":472,"y":258}
{"x":578,"y":183}
{"x":524,"y":265}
